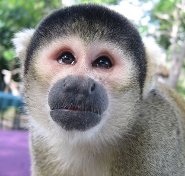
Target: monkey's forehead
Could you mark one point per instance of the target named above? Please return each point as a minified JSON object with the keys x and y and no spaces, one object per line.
{"x":90,"y":22}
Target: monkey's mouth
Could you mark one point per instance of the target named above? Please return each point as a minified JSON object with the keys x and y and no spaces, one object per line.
{"x":75,"y":118}
{"x":73,"y":108}
{"x":78,"y":108}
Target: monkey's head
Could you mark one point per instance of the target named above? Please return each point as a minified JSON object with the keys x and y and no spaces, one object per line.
{"x":84,"y":72}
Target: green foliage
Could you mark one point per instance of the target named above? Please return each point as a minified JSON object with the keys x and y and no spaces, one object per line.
{"x":14,"y":16}
{"x":165,"y":6}
{"x":165,"y":14}
{"x":143,"y":30}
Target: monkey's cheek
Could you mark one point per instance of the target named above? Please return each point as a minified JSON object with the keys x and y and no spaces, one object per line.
{"x":75,"y":120}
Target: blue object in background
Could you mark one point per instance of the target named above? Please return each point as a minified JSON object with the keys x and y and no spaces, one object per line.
{"x":8,"y":100}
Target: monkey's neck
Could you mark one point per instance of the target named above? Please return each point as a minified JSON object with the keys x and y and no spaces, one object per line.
{"x":62,"y":159}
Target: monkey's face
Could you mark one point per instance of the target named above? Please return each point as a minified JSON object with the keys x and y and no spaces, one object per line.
{"x":84,"y":71}
{"x":78,"y":81}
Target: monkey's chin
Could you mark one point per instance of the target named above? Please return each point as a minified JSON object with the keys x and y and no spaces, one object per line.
{"x":75,"y":120}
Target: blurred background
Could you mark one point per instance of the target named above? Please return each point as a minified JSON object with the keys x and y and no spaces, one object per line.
{"x":161,"y":24}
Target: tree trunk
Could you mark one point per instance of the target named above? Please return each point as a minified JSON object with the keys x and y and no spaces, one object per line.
{"x":177,"y":52}
{"x":178,"y":60}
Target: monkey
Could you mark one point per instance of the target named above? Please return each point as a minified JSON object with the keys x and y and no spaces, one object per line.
{"x":96,"y":107}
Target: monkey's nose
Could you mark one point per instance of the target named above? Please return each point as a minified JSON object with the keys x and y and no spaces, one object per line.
{"x":78,"y":85}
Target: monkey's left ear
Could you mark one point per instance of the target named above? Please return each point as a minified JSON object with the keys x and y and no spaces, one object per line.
{"x":21,"y":41}
{"x":151,"y":51}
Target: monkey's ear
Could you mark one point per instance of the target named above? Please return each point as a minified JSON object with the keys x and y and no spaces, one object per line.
{"x":21,"y":41}
{"x":152,"y":53}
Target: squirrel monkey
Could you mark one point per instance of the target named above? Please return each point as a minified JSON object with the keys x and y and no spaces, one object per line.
{"x":96,"y":109}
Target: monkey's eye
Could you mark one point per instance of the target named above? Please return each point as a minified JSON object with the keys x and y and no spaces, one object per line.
{"x":66,"y":58}
{"x":102,"y":62}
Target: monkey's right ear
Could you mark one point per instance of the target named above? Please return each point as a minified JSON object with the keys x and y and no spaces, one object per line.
{"x":21,"y":41}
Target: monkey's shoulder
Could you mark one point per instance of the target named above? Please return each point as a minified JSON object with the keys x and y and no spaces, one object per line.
{"x":165,"y":99}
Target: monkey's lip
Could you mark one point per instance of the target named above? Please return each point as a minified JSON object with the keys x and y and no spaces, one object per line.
{"x":76,"y":109}
{"x":75,"y":119}
{"x":73,"y":110}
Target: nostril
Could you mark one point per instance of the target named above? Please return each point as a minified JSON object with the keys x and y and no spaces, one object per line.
{"x":93,"y":87}
{"x":64,"y":83}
